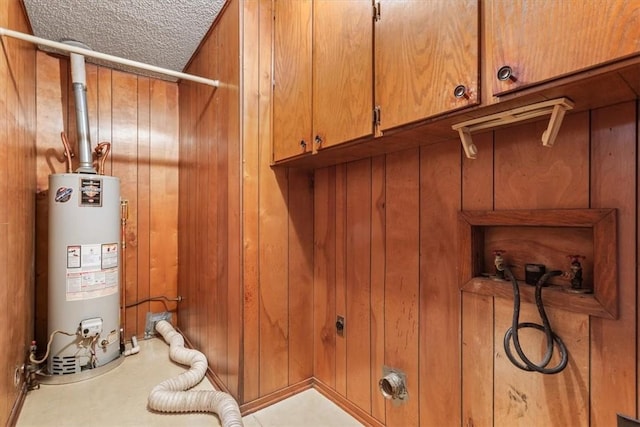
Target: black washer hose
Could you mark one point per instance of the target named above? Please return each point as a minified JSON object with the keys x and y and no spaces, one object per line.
{"x":512,"y":333}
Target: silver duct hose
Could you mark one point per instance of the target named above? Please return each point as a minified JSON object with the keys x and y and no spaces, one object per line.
{"x":171,"y":395}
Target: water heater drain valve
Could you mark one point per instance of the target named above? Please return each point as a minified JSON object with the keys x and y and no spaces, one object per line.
{"x":90,"y":328}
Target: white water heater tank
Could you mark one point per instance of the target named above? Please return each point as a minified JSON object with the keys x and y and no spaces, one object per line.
{"x":84,"y":272}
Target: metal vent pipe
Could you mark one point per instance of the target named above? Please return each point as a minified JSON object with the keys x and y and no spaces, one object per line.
{"x":79,"y":79}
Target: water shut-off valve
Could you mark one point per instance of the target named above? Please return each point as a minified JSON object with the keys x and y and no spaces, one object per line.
{"x":499,"y":263}
{"x":575,"y":275}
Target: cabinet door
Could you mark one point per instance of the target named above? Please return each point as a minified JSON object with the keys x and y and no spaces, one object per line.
{"x":423,"y":50}
{"x":342,"y":70}
{"x":543,"y":39}
{"x":292,"y":78}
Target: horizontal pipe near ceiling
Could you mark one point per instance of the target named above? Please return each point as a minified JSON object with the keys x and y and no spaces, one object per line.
{"x":105,"y":57}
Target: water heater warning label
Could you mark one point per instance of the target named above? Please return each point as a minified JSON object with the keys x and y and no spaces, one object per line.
{"x":90,"y":192}
{"x":92,"y":271}
{"x":109,"y":255}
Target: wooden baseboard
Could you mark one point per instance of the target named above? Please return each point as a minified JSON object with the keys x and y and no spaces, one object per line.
{"x":270,"y":399}
{"x":326,"y":391}
{"x":348,"y":406}
{"x":275,"y":397}
{"x":17,"y":407}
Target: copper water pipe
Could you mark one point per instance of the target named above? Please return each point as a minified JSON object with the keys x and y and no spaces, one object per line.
{"x":124,"y":215}
{"x":68,"y":154}
{"x":101,"y":155}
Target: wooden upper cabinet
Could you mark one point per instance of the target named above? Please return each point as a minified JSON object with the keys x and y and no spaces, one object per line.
{"x":292,"y":90}
{"x":323,"y":72}
{"x":423,"y":51}
{"x":342,"y":71}
{"x":545,"y":39}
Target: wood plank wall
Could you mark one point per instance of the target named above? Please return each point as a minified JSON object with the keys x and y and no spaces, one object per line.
{"x":139,"y":117}
{"x":245,"y":229}
{"x":385,"y":258}
{"x":209,"y":212}
{"x":17,"y":204}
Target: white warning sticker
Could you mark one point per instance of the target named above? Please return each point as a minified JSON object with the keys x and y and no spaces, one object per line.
{"x":109,"y":255}
{"x":92,"y":271}
{"x":73,"y":256}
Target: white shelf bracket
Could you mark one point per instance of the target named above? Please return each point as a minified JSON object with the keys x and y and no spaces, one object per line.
{"x":470,"y":150}
{"x":555,"y":107}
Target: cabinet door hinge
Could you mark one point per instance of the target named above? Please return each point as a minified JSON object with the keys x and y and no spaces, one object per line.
{"x":376,"y":12}
{"x":376,"y":120}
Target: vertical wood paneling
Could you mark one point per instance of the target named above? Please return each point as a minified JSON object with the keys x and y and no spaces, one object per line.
{"x":440,"y":181}
{"x":529,"y":177}
{"x":5,"y":133}
{"x":144,"y":202}
{"x":103,"y":124}
{"x":253,"y":127}
{"x":274,"y":298}
{"x":204,"y":275}
{"x":184,"y":235}
{"x":613,"y":342}
{"x":324,"y":276}
{"x":228,"y":175}
{"x":190,"y":256}
{"x":5,"y":129}
{"x":401,"y":311}
{"x":341,"y":267}
{"x":7,"y":158}
{"x":637,"y":248}
{"x":210,"y":331}
{"x":300,"y":276}
{"x":258,"y":321}
{"x":477,"y":310}
{"x":17,"y":207}
{"x":92,"y":100}
{"x":124,"y":149}
{"x":51,"y":97}
{"x":6,"y":393}
{"x":228,"y":70}
{"x":378,"y":255}
{"x":358,"y":283}
{"x":515,"y":173}
{"x":524,"y":398}
{"x":163,"y":192}
{"x":211,"y":224}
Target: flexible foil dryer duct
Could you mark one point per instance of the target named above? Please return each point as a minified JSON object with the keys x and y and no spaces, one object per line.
{"x":79,"y":78}
{"x":170,"y":395}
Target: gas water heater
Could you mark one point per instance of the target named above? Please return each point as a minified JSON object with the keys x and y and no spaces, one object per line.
{"x":84,"y":241}
{"x":84,"y":258}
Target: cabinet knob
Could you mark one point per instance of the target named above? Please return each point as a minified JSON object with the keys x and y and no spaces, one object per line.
{"x":318,"y":140}
{"x":506,"y":73}
{"x":460,"y":91}
{"x":303,"y":144}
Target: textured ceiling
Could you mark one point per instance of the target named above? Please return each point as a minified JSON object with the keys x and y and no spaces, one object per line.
{"x":164,"y":33}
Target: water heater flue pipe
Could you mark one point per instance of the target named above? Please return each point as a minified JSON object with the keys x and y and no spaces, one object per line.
{"x":79,"y":79}
{"x":170,"y":395}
